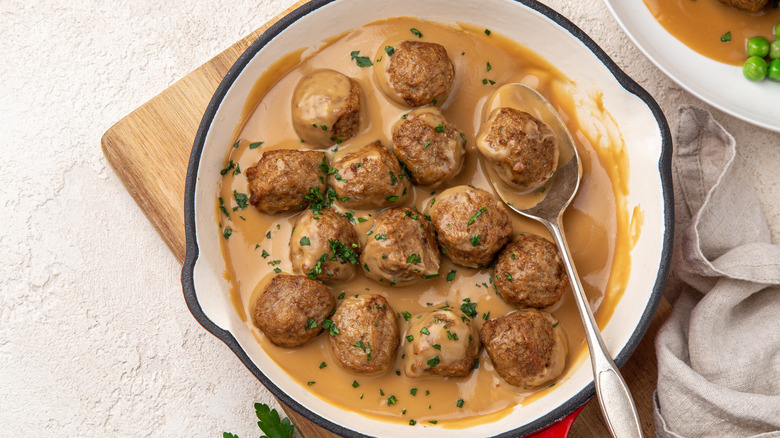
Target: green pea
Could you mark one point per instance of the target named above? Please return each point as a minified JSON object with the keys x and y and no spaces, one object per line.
{"x":758,"y":46}
{"x":774,"y":50}
{"x":774,"y":70}
{"x":755,"y":68}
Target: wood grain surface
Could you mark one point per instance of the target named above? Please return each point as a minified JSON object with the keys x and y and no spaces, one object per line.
{"x":149,"y":150}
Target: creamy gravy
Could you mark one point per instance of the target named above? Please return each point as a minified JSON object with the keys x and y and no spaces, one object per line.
{"x":597,"y":223}
{"x":701,"y":24}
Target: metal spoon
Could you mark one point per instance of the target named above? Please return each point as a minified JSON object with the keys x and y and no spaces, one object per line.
{"x":615,"y":399}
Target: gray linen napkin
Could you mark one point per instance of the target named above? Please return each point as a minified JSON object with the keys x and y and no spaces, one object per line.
{"x":719,"y":351}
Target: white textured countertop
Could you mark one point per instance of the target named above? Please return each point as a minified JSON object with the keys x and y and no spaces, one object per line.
{"x":95,"y":337}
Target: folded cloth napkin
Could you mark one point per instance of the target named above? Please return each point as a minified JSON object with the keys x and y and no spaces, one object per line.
{"x":719,"y":351}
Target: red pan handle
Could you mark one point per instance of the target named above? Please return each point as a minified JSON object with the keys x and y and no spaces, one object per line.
{"x":559,"y":429}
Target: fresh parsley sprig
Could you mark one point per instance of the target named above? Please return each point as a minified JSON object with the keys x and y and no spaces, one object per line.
{"x":269,"y":423}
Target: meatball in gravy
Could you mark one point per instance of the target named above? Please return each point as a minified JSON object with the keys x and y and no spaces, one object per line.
{"x":364,"y":334}
{"x":326,"y":108}
{"x":521,"y":148}
{"x":440,"y":343}
{"x":530,"y":273}
{"x":282,"y":179}
{"x":527,"y":347}
{"x":430,"y":145}
{"x":368,"y":178}
{"x":401,"y":249}
{"x":471,"y":225}
{"x":291,"y":309}
{"x":324,"y":246}
{"x":416,"y":73}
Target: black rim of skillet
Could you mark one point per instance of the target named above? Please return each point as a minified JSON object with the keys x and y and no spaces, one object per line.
{"x":566,"y":407}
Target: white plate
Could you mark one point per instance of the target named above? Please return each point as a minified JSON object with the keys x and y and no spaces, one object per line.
{"x":721,"y":85}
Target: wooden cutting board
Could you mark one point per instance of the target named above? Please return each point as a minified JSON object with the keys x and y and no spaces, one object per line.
{"x":149,"y":150}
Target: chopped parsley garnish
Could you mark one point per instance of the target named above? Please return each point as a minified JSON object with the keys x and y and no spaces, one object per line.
{"x":380,"y":236}
{"x":231,"y":166}
{"x":323,"y":166}
{"x":726,"y":37}
{"x":486,"y":316}
{"x":427,"y":143}
{"x":318,"y":200}
{"x":227,"y":232}
{"x":407,"y":316}
{"x":362,"y":219}
{"x":342,"y":295}
{"x":414,"y":259}
{"x":432,"y":362}
{"x":425,"y":331}
{"x":365,"y":266}
{"x":410,"y":338}
{"x":469,"y":308}
{"x":305,"y":241}
{"x":331,"y":327}
{"x":311,"y":382}
{"x":235,"y":145}
{"x":311,"y":323}
{"x":391,"y":400}
{"x":489,"y":67}
{"x":277,"y":270}
{"x":436,"y":346}
{"x":487,"y":32}
{"x":389,"y":50}
{"x":476,"y":215}
{"x":392,"y":198}
{"x":355,"y":384}
{"x":463,"y":138}
{"x":268,"y":235}
{"x":556,"y":324}
{"x":350,"y":217}
{"x":412,"y":422}
{"x":323,"y":365}
{"x":451,"y":275}
{"x":439,"y":127}
{"x":255,"y":145}
{"x":459,"y":403}
{"x":427,"y":276}
{"x":476,"y":240}
{"x":413,"y":391}
{"x":264,"y":254}
{"x":361,"y":61}
{"x":416,"y":32}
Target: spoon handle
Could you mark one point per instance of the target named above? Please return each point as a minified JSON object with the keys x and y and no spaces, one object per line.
{"x":613,"y":394}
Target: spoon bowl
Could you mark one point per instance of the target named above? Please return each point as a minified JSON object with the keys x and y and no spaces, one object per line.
{"x":615,"y":399}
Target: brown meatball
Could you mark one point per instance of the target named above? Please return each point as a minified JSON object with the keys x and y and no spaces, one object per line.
{"x":747,"y":5}
{"x":401,"y":249}
{"x":430,"y":145}
{"x":364,"y":335}
{"x":291,"y":309}
{"x":326,"y":108}
{"x":471,"y":225}
{"x":440,"y":343}
{"x":282,"y":179}
{"x":368,"y":178}
{"x":530,"y":273}
{"x":417,"y":73}
{"x":522,"y":149}
{"x":324,"y":246}
{"x":527,"y":347}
